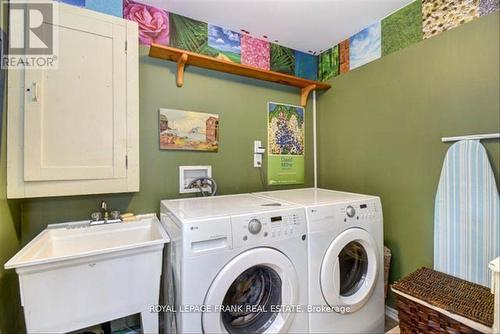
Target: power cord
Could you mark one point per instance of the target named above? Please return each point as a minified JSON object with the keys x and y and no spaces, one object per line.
{"x":262,"y":178}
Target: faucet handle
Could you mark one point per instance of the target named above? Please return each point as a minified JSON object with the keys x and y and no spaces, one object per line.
{"x":115,"y":214}
{"x":96,"y":216}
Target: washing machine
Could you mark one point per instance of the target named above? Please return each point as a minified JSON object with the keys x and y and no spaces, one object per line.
{"x":236,"y":264}
{"x":346,"y":276}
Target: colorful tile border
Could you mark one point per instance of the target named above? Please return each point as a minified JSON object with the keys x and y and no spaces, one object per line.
{"x":421,"y":19}
{"x":411,"y":24}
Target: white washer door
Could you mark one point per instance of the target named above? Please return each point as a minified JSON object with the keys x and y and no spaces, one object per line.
{"x":349,"y":270}
{"x":259,"y":277}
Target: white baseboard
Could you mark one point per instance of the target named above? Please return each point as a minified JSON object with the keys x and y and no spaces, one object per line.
{"x":391,"y":313}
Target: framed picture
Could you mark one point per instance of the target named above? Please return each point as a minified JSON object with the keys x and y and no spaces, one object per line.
{"x":286,"y":144}
{"x":188,"y":130}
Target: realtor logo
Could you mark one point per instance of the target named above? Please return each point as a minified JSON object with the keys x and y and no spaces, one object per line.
{"x":32,"y":35}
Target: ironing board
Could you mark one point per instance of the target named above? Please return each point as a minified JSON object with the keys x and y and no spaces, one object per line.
{"x":467,"y":214}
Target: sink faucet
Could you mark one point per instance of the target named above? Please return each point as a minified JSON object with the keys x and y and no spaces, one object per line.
{"x":103,"y":216}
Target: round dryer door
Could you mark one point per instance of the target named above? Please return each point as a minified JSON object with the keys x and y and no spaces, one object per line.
{"x":349,"y":270}
{"x":245,"y":290}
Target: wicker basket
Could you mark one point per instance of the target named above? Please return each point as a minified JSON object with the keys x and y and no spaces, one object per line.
{"x":387,"y":267}
{"x":433,"y":302}
{"x":417,"y":318}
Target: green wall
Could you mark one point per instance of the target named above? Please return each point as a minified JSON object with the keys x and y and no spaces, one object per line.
{"x":10,"y":237}
{"x":380,"y":128}
{"x":242,"y":106}
{"x":10,"y":228}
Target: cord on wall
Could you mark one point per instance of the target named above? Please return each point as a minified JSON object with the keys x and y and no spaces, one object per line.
{"x":315,"y":144}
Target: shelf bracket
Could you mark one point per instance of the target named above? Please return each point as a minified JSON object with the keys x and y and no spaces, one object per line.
{"x":305,"y":94}
{"x":181,"y":64}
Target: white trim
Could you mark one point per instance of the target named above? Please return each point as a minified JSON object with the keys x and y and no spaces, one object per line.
{"x":391,"y":313}
{"x":471,"y":137}
{"x":472,"y":324}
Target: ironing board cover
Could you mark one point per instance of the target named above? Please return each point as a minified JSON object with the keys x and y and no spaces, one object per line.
{"x":467,"y":214}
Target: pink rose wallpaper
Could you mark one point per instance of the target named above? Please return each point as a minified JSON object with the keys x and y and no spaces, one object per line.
{"x":255,"y":52}
{"x":153,"y":22}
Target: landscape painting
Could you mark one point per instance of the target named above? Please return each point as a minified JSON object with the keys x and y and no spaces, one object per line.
{"x":224,"y":44}
{"x":188,"y":130}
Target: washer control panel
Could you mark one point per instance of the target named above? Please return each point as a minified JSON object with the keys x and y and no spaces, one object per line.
{"x":363,"y":210}
{"x":264,"y":227}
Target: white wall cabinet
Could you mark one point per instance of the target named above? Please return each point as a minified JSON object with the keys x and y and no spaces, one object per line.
{"x":75,"y":129}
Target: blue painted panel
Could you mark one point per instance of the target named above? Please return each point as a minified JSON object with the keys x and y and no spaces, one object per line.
{"x":306,"y":65}
{"x":111,"y":7}
{"x":79,"y":3}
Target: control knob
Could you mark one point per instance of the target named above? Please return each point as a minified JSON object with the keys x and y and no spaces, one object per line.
{"x":350,"y":211}
{"x":254,"y":226}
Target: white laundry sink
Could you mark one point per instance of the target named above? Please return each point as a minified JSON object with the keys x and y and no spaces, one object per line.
{"x":74,"y":275}
{"x":77,"y":240}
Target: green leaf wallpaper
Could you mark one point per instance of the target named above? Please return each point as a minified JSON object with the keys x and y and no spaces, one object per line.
{"x":282,"y":59}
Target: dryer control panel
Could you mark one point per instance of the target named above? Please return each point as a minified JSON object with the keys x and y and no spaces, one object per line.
{"x":266,"y":227}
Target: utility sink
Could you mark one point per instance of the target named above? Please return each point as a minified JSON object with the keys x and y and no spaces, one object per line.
{"x":62,"y":242}
{"x":74,"y":275}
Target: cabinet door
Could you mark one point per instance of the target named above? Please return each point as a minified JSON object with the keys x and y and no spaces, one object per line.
{"x":75,"y":120}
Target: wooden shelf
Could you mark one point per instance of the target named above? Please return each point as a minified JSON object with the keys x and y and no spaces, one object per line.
{"x":183,"y":58}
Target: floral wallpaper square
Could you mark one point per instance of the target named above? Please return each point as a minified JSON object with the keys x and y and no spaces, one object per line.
{"x":306,"y":65}
{"x":442,"y":15}
{"x":328,"y":64}
{"x":344,"y":56}
{"x":223,"y":44}
{"x":402,"y":28}
{"x":188,"y":34}
{"x":282,"y":59}
{"x":255,"y":52}
{"x":365,"y":46}
{"x":153,"y":22}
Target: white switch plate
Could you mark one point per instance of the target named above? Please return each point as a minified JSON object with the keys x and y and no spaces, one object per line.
{"x":189,"y":173}
{"x":258,"y":152}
